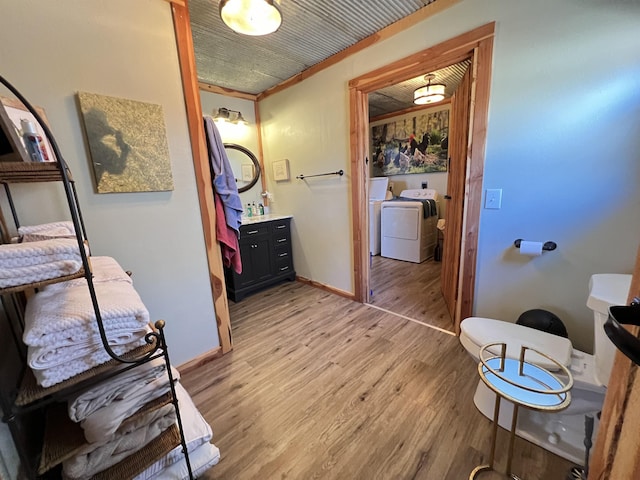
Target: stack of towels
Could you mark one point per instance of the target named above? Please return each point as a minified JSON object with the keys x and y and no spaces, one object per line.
{"x":61,"y":331}
{"x":44,"y":252}
{"x":113,"y":430}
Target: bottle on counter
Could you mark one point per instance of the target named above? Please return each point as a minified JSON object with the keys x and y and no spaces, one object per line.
{"x":254,"y":209}
{"x":249,"y":210}
{"x":261,"y":209}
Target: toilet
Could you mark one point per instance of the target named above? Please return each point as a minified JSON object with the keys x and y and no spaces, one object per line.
{"x":562,"y":432}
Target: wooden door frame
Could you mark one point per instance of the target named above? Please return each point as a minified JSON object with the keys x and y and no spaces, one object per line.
{"x":615,"y":453}
{"x":186,"y":57}
{"x":476,"y":44}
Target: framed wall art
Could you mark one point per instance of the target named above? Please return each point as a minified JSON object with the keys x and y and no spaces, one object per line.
{"x":281,"y":170}
{"x":411,"y":143}
{"x":127,"y":144}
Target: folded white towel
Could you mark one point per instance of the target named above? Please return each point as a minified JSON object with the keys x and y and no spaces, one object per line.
{"x":133,"y":436}
{"x":104,"y":269}
{"x":54,"y":375}
{"x":197,"y":434}
{"x":104,"y":422}
{"x":22,"y":263}
{"x":90,"y":349}
{"x":46,"y":231}
{"x":115,"y":389}
{"x":67,"y":315}
{"x":201,"y":459}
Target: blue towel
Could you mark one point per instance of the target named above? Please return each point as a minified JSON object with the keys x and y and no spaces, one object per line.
{"x":429,"y":208}
{"x":224,"y":182}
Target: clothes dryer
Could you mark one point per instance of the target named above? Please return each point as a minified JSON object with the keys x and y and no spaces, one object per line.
{"x":408,"y":225}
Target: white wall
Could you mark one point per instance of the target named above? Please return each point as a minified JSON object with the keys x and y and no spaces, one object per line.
{"x":50,"y":51}
{"x":563,"y":144}
{"x":245,"y":135}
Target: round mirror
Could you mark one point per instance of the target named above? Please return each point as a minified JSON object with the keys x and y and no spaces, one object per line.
{"x":245,"y":166}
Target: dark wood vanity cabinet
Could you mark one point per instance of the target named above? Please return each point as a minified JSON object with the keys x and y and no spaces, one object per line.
{"x":265,"y":249}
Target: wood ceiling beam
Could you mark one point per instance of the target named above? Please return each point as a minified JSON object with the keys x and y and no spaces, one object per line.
{"x":389,"y":31}
{"x":207,"y":87}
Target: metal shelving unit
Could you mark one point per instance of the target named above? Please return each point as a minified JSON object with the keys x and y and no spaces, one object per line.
{"x":26,"y":404}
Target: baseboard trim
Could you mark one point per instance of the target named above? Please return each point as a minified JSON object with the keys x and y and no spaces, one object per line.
{"x":200,"y":360}
{"x":326,"y":288}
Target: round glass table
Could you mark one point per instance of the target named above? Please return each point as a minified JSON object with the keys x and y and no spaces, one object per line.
{"x":525,"y":385}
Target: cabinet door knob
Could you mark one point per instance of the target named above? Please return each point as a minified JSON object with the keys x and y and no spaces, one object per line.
{"x":280,"y":240}
{"x":282,"y":269}
{"x":283,"y":254}
{"x":279,"y":227}
{"x":252,"y":232}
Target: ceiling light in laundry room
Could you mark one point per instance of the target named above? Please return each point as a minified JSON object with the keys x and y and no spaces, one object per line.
{"x":251,"y":17}
{"x":429,"y":93}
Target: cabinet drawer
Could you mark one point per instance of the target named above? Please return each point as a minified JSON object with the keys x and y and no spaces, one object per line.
{"x":283,"y":267}
{"x":248,"y":231}
{"x":282,"y":254}
{"x":280,"y":226}
{"x":280,"y":240}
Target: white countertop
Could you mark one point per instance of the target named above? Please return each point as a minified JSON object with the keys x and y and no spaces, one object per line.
{"x":263,"y":218}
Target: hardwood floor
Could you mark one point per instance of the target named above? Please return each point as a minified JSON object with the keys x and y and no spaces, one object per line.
{"x":318,"y":386}
{"x":410,"y":289}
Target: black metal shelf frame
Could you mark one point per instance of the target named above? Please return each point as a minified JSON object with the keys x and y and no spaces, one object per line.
{"x":155,"y":339}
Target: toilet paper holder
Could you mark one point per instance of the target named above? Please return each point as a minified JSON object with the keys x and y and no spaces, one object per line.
{"x":548,"y":246}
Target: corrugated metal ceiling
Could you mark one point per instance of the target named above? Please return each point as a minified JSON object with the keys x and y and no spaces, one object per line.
{"x":311,"y":31}
{"x":400,"y":96}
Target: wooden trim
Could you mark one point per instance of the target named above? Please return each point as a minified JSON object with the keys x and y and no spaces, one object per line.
{"x":256,"y":108}
{"x":476,"y":42}
{"x":397,"y":27}
{"x":479,"y":115}
{"x":228,"y":92}
{"x":439,"y":56}
{"x":181,"y":3}
{"x":359,"y":146}
{"x":404,"y":111}
{"x":186,"y":58}
{"x":616,"y":448}
{"x":200,"y":360}
{"x":326,"y":288}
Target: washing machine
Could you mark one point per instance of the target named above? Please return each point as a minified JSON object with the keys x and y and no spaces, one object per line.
{"x":377,"y":194}
{"x":408,"y":225}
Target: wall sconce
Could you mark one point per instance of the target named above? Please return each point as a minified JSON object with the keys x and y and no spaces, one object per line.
{"x":429,"y":93}
{"x":224,"y":115}
{"x":251,"y":17}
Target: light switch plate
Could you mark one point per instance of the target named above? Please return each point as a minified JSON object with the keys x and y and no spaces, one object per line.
{"x":493,"y":198}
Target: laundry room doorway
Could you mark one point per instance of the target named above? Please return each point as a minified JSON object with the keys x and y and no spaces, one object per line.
{"x":462,"y":195}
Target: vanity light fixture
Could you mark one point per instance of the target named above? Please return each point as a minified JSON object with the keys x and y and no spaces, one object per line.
{"x":223,"y":115}
{"x":251,"y":17}
{"x":239,"y":120}
{"x":429,"y":93}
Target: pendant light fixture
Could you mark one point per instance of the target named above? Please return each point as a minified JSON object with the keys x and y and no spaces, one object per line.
{"x":251,"y":17}
{"x":429,"y":93}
